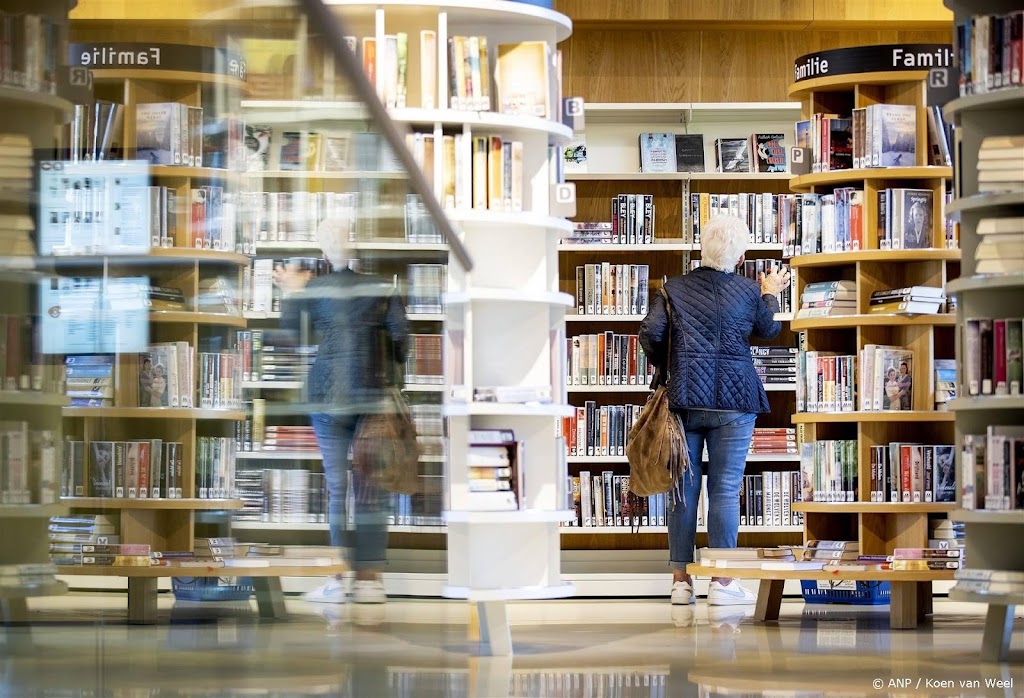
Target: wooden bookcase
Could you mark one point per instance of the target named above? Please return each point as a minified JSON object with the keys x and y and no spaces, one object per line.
{"x":878,"y":527}
{"x":987,"y":532}
{"x":165,"y":524}
{"x":611,"y":135}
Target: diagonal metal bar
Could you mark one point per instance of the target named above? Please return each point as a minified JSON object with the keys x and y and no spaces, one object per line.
{"x":334,"y":31}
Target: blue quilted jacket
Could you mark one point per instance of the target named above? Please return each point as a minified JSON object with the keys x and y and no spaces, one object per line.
{"x":714,"y":315}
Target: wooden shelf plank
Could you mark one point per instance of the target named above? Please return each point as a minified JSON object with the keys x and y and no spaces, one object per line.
{"x":31,"y":511}
{"x":987,"y":402}
{"x":830,"y":259}
{"x":27,"y":99}
{"x":182,"y":172}
{"x":1014,"y":517}
{"x":806,"y":182}
{"x":168,"y":504}
{"x":32,"y":398}
{"x":181,"y":317}
{"x":985,"y":282}
{"x":878,"y":416}
{"x":212,"y":571}
{"x":862,"y":575}
{"x":879,"y":320}
{"x":838,"y":83}
{"x":874,"y":507}
{"x":152,"y":413}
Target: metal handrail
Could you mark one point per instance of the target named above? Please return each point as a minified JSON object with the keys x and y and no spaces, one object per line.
{"x":334,"y":32}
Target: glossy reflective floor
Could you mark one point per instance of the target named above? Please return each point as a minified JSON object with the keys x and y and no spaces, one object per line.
{"x":79,"y":646}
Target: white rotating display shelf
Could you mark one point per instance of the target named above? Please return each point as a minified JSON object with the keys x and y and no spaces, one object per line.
{"x":272,"y":385}
{"x":607,"y":388}
{"x":500,"y":221}
{"x":399,"y":246}
{"x":683,"y":112}
{"x":514,"y":516}
{"x":508,"y":295}
{"x":507,"y":409}
{"x":279,"y":455}
{"x":604,"y":318}
{"x":558,"y":591}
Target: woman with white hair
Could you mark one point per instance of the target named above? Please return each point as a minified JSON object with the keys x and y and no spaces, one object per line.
{"x":362,"y":334}
{"x":714,"y":389}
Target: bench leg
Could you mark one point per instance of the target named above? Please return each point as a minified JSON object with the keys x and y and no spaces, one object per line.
{"x":15,"y":610}
{"x":903,"y":606}
{"x":995,"y":643}
{"x":142,"y":600}
{"x":769,"y":599}
{"x":270,"y":597}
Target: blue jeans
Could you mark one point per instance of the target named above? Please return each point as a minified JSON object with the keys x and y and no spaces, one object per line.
{"x":367,"y":543}
{"x":728,"y":436}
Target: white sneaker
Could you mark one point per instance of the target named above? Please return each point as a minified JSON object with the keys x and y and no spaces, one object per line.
{"x":331,"y":592}
{"x":682,"y":594}
{"x":731,"y":594}
{"x":366,"y":591}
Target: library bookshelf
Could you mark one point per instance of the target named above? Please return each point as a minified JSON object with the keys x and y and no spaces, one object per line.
{"x":31,"y":397}
{"x":611,"y":134}
{"x":986,"y":531}
{"x":878,"y":527}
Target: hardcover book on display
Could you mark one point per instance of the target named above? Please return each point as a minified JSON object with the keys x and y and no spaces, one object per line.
{"x":897,"y":142}
{"x":769,"y":153}
{"x":689,"y":152}
{"x":732,"y":154}
{"x":258,"y":141}
{"x":657,"y":152}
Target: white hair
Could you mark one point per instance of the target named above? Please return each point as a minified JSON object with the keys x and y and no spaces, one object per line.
{"x":723,"y":241}
{"x":332,"y":235}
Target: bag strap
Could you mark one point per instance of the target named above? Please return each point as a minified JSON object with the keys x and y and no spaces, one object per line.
{"x":661,"y":373}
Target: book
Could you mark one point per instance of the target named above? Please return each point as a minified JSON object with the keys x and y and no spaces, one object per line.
{"x":523,"y":78}
{"x":657,"y":152}
{"x":689,"y":152}
{"x":896,"y":145}
{"x":732,"y":154}
{"x":258,"y":141}
{"x":768,"y":152}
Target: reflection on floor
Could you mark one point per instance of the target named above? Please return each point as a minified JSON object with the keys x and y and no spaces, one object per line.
{"x":79,"y":646}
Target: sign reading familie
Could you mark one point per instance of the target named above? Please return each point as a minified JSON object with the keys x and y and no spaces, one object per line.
{"x":146,"y":56}
{"x":872,"y":59}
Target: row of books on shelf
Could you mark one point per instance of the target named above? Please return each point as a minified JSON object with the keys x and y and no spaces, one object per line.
{"x":1001,"y":164}
{"x":684,"y":152}
{"x":775,"y":365}
{"x":767,"y":498}
{"x":165,"y":376}
{"x":495,"y":471}
{"x":16,"y":180}
{"x":612,"y":289}
{"x":882,"y":379}
{"x":753,"y":268}
{"x":999,"y":250}
{"x":879,"y":135}
{"x":992,"y":357}
{"x":147,"y":469}
{"x":524,"y":75}
{"x":16,"y":231}
{"x":141,"y":469}
{"x":607,"y":359}
{"x":990,"y":52}
{"x":898,"y":472}
{"x":760,"y":211}
{"x":26,"y":575}
{"x":483,"y":173}
{"x":23,"y":366}
{"x":603,"y":499}
{"x":832,"y":298}
{"x":293,"y":216}
{"x":833,"y":555}
{"x":317,"y":151}
{"x":599,"y":430}
{"x":424,"y":364}
{"x":33,"y":46}
{"x":992,"y":475}
{"x":273,"y":356}
{"x":28,"y":464}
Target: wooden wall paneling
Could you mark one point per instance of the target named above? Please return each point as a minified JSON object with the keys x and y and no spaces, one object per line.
{"x":777,"y":14}
{"x":594,"y":202}
{"x":632,"y":65}
{"x":867,"y":14}
{"x":749,"y":66}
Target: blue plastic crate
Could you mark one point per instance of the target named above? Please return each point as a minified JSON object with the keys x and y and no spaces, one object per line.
{"x":857,"y":593}
{"x":212,"y":589}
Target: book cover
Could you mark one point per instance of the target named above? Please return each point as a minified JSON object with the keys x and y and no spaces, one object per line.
{"x":336,"y":152}
{"x":916,"y":221}
{"x":522,"y":78}
{"x":157,"y":133}
{"x":769,"y":153}
{"x":897,"y":376}
{"x":101,"y":469}
{"x":897,"y":146}
{"x":293,"y":151}
{"x":689,"y":152}
{"x":732,"y":154}
{"x":258,"y":141}
{"x":657,"y":152}
{"x":574,"y":156}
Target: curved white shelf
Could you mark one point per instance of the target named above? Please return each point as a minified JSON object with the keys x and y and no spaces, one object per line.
{"x":985,"y":282}
{"x":1005,"y":99}
{"x":424,"y":388}
{"x":780,"y":388}
{"x":980,"y":202}
{"x":261,"y":315}
{"x":279,"y":455}
{"x":509,"y":295}
{"x":987,"y":402}
{"x":1013,"y":517}
{"x":23,"y":98}
{"x":680,"y":112}
{"x":399,"y":246}
{"x":559,"y":591}
{"x":505,"y":517}
{"x":506,"y":409}
{"x":489,"y":120}
{"x":498,"y":221}
{"x":282,"y":246}
{"x":605,"y":248}
{"x":426,"y":317}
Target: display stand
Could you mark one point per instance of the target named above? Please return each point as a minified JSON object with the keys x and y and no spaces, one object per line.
{"x":989,"y":534}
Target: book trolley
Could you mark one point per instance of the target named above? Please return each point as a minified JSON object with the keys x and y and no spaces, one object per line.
{"x":878,"y":527}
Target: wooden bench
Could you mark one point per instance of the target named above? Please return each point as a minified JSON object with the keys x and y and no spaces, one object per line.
{"x":142,"y":584}
{"x":910,"y":602}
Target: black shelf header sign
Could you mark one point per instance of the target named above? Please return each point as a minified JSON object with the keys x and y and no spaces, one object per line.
{"x":872,"y":59}
{"x":148,"y":56}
